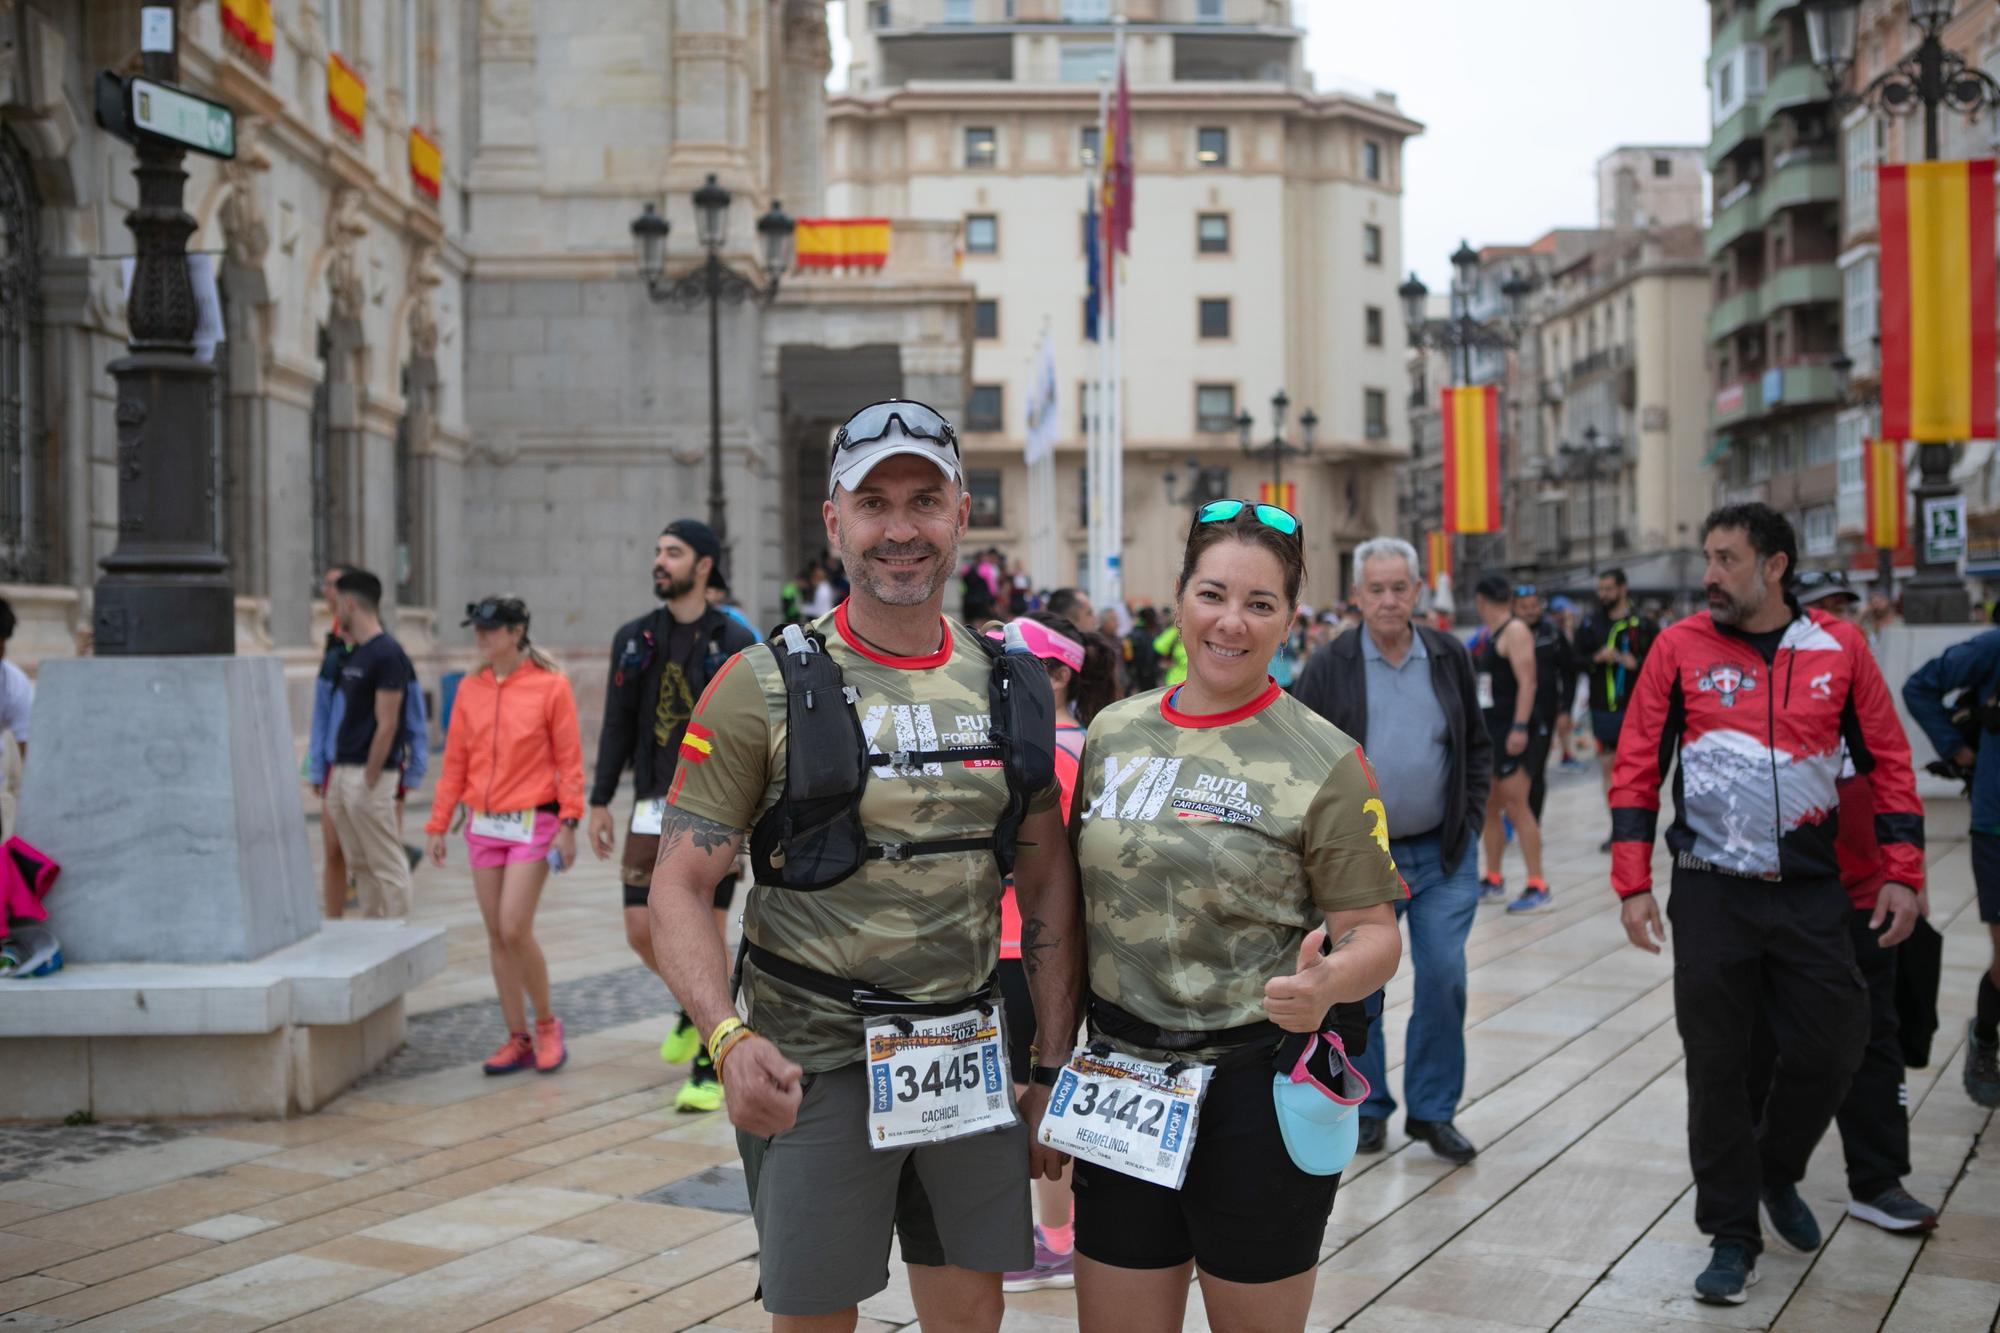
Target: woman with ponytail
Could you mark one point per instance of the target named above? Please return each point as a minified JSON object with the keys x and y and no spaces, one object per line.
{"x":1083,"y":677}
{"x":513,"y":755}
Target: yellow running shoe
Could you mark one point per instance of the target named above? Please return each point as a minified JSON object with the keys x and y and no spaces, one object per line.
{"x":683,"y":1045}
{"x":702,"y":1091}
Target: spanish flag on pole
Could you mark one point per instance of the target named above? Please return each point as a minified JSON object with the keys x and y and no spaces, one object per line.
{"x":1284,"y":494}
{"x":1472,"y":459}
{"x":346,"y":95}
{"x":1439,"y":555}
{"x":841,"y":243}
{"x":426,"y":163}
{"x":1888,"y":496}
{"x":1938,"y":341}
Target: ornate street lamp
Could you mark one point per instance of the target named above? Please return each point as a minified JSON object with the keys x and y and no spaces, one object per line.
{"x":1277,"y":448}
{"x":1931,"y":77}
{"x":714,"y":282}
{"x":1587,"y":461}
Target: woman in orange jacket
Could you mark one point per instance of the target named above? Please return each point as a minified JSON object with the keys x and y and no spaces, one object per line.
{"x":513,"y":756}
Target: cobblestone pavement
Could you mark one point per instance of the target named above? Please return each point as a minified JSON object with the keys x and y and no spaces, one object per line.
{"x":434,"y":1198}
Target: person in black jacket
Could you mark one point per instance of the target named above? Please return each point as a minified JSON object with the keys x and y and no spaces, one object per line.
{"x":660,"y":664}
{"x":1406,"y":693}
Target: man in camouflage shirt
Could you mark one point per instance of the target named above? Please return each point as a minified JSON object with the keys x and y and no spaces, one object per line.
{"x":926,"y":927}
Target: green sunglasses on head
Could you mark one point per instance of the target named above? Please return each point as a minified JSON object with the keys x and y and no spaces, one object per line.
{"x":1221,"y":511}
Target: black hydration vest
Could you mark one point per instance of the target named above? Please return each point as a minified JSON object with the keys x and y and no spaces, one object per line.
{"x":813,"y":839}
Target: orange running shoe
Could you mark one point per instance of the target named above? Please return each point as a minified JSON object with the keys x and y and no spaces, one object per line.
{"x":550,"y":1052}
{"x":517,"y":1054}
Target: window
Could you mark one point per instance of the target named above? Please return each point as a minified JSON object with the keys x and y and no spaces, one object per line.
{"x":1215,"y":408}
{"x":26,"y":513}
{"x":1086,"y":146}
{"x":1371,"y":325}
{"x":1086,"y":11}
{"x":983,"y":408}
{"x":878,"y":14}
{"x":983,"y":485}
{"x":1821,"y":442}
{"x":1371,"y":159}
{"x":1663,"y":167}
{"x":1214,"y":316}
{"x":1820,"y":533}
{"x":1858,"y":328}
{"x":958,"y":11}
{"x":1760,"y":461}
{"x":982,"y":234}
{"x":986,"y":319}
{"x":982,"y":147}
{"x":1211,"y":234}
{"x":1374,"y":414}
{"x":1211,"y":146}
{"x":1371,"y":243}
{"x":331,"y":19}
{"x":1208,"y":11}
{"x":1864,"y":151}
{"x":1080,"y":62}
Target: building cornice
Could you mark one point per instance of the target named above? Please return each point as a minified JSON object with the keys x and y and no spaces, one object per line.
{"x":1081,"y":99}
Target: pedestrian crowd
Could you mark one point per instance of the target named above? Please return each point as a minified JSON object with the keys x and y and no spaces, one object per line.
{"x":1063,"y":957}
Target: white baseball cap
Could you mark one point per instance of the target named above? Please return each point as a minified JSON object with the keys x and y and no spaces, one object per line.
{"x":886,"y":430}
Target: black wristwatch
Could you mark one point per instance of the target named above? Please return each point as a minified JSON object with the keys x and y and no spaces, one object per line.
{"x":1518,"y":726}
{"x":1046,"y":1077}
{"x":569,"y":823}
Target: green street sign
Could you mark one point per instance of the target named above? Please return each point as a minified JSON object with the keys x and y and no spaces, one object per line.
{"x":165,"y":112}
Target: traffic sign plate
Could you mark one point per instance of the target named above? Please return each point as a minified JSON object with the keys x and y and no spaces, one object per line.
{"x":165,"y":112}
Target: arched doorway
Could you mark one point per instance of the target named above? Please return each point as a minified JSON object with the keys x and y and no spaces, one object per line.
{"x":26,"y":492}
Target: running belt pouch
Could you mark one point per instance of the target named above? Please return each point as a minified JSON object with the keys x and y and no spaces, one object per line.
{"x":1021,"y":724}
{"x":813,"y":838}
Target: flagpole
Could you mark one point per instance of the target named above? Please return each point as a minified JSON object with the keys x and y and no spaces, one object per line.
{"x":1114,"y":472}
{"x":1099,"y":530}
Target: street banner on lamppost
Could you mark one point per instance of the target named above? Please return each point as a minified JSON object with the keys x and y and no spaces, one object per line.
{"x":1938,"y":274}
{"x":1888,"y":494}
{"x":1472,"y":458}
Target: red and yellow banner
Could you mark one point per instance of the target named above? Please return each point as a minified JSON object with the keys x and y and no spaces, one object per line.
{"x":841,"y":243}
{"x":1937,"y":319}
{"x":1284,"y":494}
{"x":1472,"y":459}
{"x":248,"y":23}
{"x":346,"y":95}
{"x":426,"y":163}
{"x":1438,"y":557}
{"x":1888,"y":498}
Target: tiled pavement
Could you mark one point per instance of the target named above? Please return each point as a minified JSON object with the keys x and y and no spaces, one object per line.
{"x":433,"y":1198}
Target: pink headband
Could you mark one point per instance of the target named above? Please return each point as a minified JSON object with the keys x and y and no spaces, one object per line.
{"x":1046,"y":643}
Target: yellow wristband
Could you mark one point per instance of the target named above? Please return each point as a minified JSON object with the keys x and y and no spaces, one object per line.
{"x":730,"y":1041}
{"x":722,"y":1029}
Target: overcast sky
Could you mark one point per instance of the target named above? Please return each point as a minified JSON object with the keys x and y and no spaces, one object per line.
{"x":1519,"y":99}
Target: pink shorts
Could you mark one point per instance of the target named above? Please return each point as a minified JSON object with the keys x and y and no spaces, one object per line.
{"x":487,"y":853}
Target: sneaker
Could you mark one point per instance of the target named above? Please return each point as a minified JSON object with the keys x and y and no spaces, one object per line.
{"x":1731,"y":1272}
{"x":682,"y":1045}
{"x":1533,"y":899}
{"x":1894,"y":1210}
{"x":1790,"y":1218}
{"x":551,"y":1053}
{"x":1492,"y":889}
{"x":1049,"y":1270}
{"x":517,"y":1054}
{"x":702,"y":1091}
{"x":1982,"y":1068}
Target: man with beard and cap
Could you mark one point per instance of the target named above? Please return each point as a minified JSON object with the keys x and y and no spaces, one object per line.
{"x":1748,"y":706}
{"x":883,"y":913}
{"x":660,"y":664}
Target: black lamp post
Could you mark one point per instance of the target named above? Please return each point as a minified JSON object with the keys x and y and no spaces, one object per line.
{"x":1931,"y":77}
{"x":1277,"y":448}
{"x":1586,"y":460}
{"x":1844,"y":390}
{"x":713,"y":282}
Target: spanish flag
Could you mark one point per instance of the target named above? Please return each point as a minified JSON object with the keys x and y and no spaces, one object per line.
{"x":426,"y":163}
{"x":1284,"y":494}
{"x":248,"y":23}
{"x":841,"y":242}
{"x":1472,"y":459}
{"x":1439,"y":556}
{"x":1937,"y":319}
{"x":1888,"y":504}
{"x":346,"y":95}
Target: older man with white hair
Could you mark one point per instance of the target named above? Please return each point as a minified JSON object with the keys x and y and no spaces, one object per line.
{"x":1407,"y":694}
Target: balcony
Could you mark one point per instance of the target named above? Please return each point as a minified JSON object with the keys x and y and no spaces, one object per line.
{"x":1799,"y":84}
{"x":1733,"y":133}
{"x":1735,"y":404}
{"x":1803,"y":384}
{"x":1801,"y":180}
{"x":1768,"y":11}
{"x":1736,"y":220}
{"x":1737,"y":29}
{"x":1801,"y":284}
{"x":1737,"y":312}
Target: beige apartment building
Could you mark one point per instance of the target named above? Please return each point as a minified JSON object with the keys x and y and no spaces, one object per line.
{"x":1265,"y":252}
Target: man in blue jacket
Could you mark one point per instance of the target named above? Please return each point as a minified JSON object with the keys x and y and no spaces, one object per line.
{"x":1975,"y":666}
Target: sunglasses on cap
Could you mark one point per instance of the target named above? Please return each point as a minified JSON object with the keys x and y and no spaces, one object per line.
{"x":1223,"y":511}
{"x":496,"y":611}
{"x":1525,"y":590}
{"x":871,"y":423}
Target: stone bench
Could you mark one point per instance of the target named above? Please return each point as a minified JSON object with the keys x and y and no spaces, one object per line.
{"x":283,"y":1034}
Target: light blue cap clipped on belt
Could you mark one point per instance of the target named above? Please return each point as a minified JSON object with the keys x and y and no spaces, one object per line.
{"x":1320,"y":1127}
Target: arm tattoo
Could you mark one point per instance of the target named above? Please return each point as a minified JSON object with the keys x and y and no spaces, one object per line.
{"x":679,"y":825}
{"x":1035,"y":942}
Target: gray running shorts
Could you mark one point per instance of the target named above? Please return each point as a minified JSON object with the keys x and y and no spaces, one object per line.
{"x":825,"y":1201}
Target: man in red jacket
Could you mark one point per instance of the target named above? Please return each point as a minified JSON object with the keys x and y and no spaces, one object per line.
{"x":1754,"y":700}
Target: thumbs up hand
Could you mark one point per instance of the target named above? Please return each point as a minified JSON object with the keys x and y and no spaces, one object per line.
{"x":1297,"y":1003}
